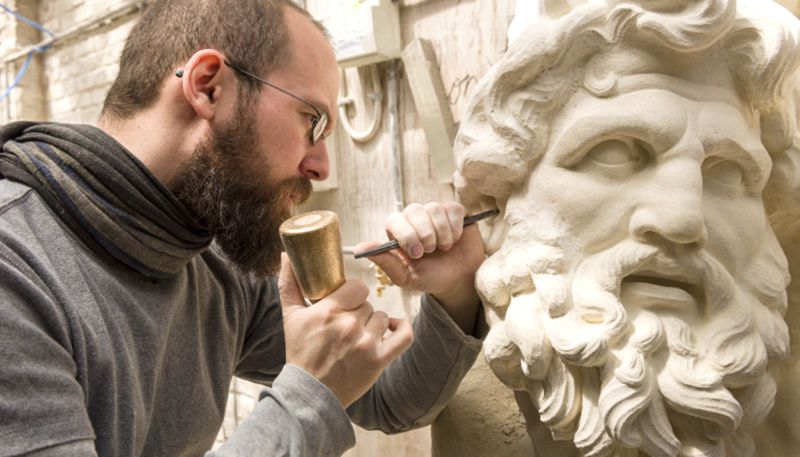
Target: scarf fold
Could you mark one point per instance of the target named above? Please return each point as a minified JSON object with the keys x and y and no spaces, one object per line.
{"x":104,"y":194}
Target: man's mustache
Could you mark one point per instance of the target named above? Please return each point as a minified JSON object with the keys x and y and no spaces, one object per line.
{"x":298,"y":188}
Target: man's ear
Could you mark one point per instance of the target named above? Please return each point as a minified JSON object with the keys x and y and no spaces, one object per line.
{"x":203,"y":82}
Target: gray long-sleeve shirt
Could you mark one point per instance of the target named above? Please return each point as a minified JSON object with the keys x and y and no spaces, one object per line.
{"x":96,"y":359}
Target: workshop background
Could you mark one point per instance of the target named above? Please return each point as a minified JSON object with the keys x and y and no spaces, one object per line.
{"x":402,"y":98}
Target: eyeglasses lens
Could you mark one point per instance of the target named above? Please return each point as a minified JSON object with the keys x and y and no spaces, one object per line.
{"x":319,"y":128}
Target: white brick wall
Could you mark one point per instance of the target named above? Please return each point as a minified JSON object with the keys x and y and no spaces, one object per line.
{"x":80,"y":70}
{"x":26,"y":100}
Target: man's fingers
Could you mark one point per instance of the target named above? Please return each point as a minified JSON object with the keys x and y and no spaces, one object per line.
{"x":441,"y":224}
{"x":400,"y":339}
{"x":425,"y":228}
{"x":288,"y":289}
{"x":399,"y":227}
{"x":420,"y":220}
{"x":350,"y":296}
{"x":392,"y":262}
{"x":377,"y":324}
{"x":455,"y":214}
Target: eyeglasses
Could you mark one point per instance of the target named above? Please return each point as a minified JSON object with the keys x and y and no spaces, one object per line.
{"x":318,"y":122}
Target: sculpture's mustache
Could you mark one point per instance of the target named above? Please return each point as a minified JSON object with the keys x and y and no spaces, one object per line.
{"x":698,"y":274}
{"x":594,"y":299}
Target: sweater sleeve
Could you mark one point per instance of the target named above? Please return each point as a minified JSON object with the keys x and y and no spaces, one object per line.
{"x":418,"y":385}
{"x":297,"y":417}
{"x":42,"y":404}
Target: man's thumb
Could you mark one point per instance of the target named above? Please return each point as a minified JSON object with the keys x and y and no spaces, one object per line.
{"x":289,"y":290}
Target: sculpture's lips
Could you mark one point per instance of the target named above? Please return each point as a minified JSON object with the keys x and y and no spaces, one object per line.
{"x":659,"y":290}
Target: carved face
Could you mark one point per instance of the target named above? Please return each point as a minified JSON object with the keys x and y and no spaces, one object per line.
{"x":646,"y":285}
{"x":635,"y":288}
{"x":682,"y":172}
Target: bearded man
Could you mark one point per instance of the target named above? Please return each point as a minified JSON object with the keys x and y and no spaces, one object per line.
{"x":644,"y":154}
{"x":122,"y":325}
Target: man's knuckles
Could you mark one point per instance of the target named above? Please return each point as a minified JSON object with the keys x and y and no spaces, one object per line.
{"x":427,"y":236}
{"x":404,"y":336}
{"x":350,"y":296}
{"x":349,"y":329}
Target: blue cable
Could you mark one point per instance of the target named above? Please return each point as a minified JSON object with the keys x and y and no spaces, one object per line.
{"x":28,"y":59}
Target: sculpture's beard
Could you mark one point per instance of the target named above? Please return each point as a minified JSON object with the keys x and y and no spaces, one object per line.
{"x":228,"y":184}
{"x":614,"y":377}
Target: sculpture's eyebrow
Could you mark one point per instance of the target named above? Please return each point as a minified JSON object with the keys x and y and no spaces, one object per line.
{"x":731,"y":137}
{"x":579,"y":134}
{"x":754,"y":157}
{"x":649,"y":115}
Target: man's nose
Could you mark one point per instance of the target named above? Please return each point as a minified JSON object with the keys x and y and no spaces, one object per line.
{"x":316,"y":165}
{"x":671,"y":207}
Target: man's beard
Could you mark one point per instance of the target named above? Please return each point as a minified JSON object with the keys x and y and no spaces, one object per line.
{"x":228,"y":184}
{"x":613,"y":379}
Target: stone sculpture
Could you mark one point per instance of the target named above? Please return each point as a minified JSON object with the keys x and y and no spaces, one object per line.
{"x":644,"y":155}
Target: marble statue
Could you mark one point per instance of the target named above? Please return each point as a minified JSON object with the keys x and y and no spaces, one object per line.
{"x":645,"y":155}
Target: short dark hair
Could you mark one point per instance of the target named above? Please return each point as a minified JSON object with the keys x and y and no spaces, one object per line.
{"x":251,"y":33}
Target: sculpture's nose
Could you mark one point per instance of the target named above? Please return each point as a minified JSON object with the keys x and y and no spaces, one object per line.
{"x":672,"y":206}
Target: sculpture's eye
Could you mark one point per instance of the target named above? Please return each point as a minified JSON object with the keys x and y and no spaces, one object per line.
{"x":614,"y":158}
{"x":725,"y":174}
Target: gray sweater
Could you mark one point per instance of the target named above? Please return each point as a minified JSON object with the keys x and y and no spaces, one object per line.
{"x":96,"y":359}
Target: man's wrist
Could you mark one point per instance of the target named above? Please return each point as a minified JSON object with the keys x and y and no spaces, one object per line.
{"x":462,"y":304}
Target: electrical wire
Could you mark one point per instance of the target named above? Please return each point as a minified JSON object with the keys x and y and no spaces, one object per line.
{"x":33,"y":50}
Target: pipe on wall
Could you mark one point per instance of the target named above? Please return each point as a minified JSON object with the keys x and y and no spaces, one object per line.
{"x":395,"y":140}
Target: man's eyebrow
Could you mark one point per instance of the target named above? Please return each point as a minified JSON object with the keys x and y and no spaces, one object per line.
{"x":318,"y":104}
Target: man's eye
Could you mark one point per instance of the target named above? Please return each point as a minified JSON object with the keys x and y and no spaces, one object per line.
{"x":615,"y":158}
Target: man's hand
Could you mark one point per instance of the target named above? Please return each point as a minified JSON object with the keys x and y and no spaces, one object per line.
{"x":340,"y":340}
{"x":437,"y":255}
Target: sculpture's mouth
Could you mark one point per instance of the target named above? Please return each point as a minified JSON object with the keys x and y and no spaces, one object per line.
{"x":657,"y":289}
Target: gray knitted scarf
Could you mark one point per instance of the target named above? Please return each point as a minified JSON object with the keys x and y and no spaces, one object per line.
{"x":104,"y":194}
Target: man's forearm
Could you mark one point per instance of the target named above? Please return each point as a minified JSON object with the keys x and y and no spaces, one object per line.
{"x":297,"y":416}
{"x":463,"y":305}
{"x":415,"y":388}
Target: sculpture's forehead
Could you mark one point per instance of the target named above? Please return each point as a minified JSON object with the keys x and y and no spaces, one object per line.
{"x":651,"y":102}
{"x":705,"y":67}
{"x":663,"y":92}
{"x":699,"y":75}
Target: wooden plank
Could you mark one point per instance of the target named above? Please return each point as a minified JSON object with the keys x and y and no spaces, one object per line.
{"x":427,"y":89}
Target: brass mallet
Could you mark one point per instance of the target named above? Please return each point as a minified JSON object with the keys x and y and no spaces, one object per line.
{"x":314,"y":247}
